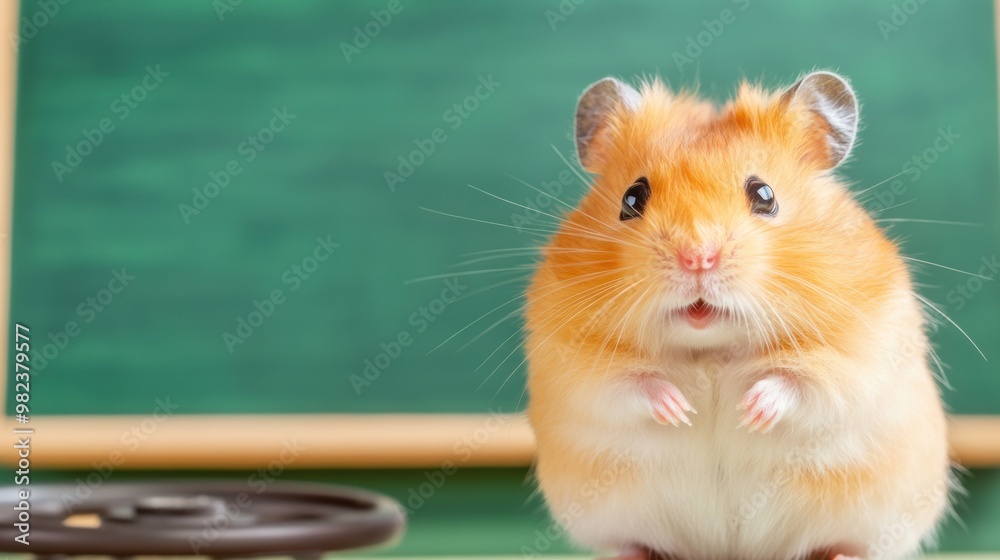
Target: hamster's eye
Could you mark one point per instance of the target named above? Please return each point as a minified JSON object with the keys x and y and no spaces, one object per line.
{"x":761,"y":197}
{"x":635,"y":199}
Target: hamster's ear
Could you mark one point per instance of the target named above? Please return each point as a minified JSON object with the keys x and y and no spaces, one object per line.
{"x":830,"y":97}
{"x":596,"y":107}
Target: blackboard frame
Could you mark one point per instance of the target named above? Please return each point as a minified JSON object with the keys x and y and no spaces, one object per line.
{"x":315,"y":440}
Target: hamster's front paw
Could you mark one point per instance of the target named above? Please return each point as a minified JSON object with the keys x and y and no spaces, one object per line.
{"x":666,"y":402}
{"x":767,"y":402}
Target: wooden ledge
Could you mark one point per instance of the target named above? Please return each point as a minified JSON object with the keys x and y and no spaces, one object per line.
{"x":333,"y":441}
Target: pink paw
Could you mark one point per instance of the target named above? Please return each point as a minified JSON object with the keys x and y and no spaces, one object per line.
{"x":766,"y":402}
{"x":667,"y":403}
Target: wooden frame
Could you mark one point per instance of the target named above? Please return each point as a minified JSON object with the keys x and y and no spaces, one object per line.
{"x":338,"y":441}
{"x":297,"y":441}
{"x":8,"y":96}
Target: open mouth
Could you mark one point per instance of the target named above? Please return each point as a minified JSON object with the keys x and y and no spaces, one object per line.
{"x":701,"y":314}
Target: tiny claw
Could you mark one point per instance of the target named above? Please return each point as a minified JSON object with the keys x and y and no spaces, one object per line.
{"x":748,"y":400}
{"x":667,"y":404}
{"x":678,"y":407}
{"x":766,"y":403}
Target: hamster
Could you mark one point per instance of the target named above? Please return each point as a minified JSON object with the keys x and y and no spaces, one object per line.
{"x":726,"y":356}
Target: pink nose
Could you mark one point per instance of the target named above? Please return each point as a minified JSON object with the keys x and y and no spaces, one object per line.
{"x":698,"y":259}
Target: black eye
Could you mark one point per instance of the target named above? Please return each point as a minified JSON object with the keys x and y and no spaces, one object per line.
{"x":761,"y":197}
{"x":635,"y":199}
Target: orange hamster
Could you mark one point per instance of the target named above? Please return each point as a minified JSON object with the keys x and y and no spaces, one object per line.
{"x":727,"y":359}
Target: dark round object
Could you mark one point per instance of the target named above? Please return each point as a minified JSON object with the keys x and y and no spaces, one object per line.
{"x":635,"y":199}
{"x":220,"y":519}
{"x":761,"y":197}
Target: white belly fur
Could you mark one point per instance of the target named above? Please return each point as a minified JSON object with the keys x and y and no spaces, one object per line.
{"x":709,"y":491}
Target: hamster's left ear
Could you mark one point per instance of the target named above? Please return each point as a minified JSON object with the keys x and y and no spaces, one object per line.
{"x":831,"y":98}
{"x":596,"y":108}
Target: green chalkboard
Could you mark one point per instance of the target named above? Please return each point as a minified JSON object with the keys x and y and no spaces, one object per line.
{"x":220,"y":202}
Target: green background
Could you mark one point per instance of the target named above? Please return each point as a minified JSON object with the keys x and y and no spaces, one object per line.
{"x":324,"y":175}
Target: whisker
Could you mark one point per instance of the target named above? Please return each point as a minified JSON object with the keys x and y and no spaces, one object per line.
{"x":534,"y":250}
{"x":529,"y":230}
{"x":523,"y":267}
{"x":592,"y":302}
{"x":938,"y":370}
{"x":953,"y":323}
{"x":491,"y":251}
{"x":563,"y":284}
{"x":493,"y":353}
{"x":467,"y":273}
{"x":940,"y":222}
{"x":586,"y":181}
{"x":530,"y":253}
{"x":880,"y":183}
{"x":876,"y":212}
{"x":608,"y":303}
{"x":621,"y":331}
{"x":567,"y":205}
{"x":492,"y":286}
{"x":560,"y":220}
{"x":601,"y":288}
{"x":494,"y":258}
{"x":484,"y":221}
{"x":830,"y":297}
{"x":948,"y":268}
{"x":481,"y":317}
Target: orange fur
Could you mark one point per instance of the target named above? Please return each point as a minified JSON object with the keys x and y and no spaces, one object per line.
{"x":821,"y":292}
{"x":696,"y":161}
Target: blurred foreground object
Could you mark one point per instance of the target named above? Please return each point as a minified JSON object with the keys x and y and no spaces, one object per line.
{"x":217,"y":519}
